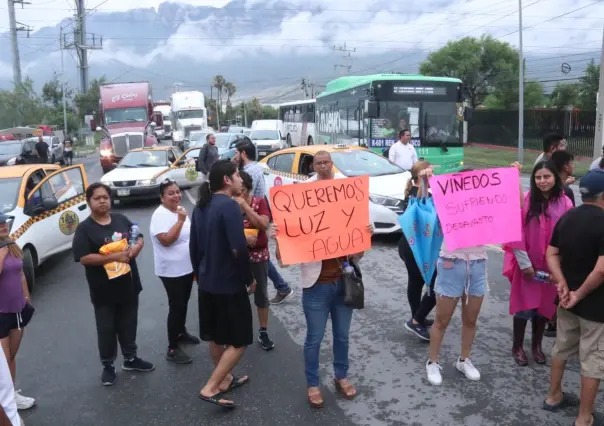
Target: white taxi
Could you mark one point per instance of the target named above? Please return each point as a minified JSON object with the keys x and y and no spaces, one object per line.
{"x":387,"y":182}
{"x":44,"y":203}
{"x":139,"y":174}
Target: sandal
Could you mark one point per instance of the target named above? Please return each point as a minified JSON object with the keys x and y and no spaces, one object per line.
{"x":568,"y":400}
{"x":236,"y":383}
{"x":316,"y":399}
{"x":216,"y":400}
{"x":347,"y":389}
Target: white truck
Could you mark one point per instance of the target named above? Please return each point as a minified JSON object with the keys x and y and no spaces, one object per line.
{"x":268,"y":136}
{"x":163,"y":107}
{"x":188,"y":113}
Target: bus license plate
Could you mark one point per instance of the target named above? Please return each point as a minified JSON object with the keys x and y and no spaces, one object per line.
{"x":123,"y":192}
{"x":262,"y":153}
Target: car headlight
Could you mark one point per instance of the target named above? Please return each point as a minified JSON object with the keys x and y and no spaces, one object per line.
{"x":106,"y":153}
{"x":386,"y":201}
{"x":145,"y":182}
{"x":107,"y":182}
{"x":275,"y":145}
{"x":12,"y":161}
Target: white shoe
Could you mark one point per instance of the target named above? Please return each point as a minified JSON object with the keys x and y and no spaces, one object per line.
{"x":433,"y":371}
{"x":23,"y":402}
{"x":467,"y":368}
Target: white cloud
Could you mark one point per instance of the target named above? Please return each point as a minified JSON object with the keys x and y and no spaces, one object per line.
{"x":6,"y":70}
{"x":369,"y":26}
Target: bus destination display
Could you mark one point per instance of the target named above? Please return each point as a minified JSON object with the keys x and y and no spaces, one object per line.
{"x":419,"y":90}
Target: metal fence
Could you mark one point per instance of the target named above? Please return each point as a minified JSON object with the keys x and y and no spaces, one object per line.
{"x":500,"y":127}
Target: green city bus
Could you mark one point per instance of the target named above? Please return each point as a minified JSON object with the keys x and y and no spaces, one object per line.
{"x":371,"y":110}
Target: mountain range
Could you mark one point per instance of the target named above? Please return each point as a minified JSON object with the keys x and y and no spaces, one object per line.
{"x":266,"y":48}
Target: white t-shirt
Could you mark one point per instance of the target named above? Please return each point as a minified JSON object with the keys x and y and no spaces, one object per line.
{"x":7,"y":393}
{"x":403,"y":155}
{"x":174,"y":260}
{"x":596,"y":164}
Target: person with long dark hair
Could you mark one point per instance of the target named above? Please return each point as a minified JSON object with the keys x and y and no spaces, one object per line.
{"x":531,"y":298}
{"x":15,"y":309}
{"x":115,"y":300}
{"x":420,"y":306}
{"x":170,"y":233}
{"x":221,"y":262}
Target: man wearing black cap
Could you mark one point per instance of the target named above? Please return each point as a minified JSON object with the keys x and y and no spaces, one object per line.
{"x":575,"y":258}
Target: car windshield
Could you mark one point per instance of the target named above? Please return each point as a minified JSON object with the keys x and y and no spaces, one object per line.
{"x":197,"y":136}
{"x":192,"y":154}
{"x":191,"y":113}
{"x":9,"y":191}
{"x":166,"y":118}
{"x":222,"y":140}
{"x":145,"y":159}
{"x":361,"y":162}
{"x":264,"y":135}
{"x":12,"y":148}
{"x":126,"y":115}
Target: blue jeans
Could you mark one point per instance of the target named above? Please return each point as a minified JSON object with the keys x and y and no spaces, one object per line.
{"x":318,"y":303}
{"x":277,"y":279}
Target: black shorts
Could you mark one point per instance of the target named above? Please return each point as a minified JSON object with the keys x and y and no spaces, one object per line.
{"x":68,"y":154}
{"x":260,"y":271}
{"x":226,"y":319}
{"x":10,"y":322}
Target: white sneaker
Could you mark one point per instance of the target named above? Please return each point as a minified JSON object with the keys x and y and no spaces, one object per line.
{"x":23,"y":402}
{"x":467,"y":368}
{"x":433,"y":370}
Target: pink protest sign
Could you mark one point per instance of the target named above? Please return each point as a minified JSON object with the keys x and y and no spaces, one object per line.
{"x":478,"y":207}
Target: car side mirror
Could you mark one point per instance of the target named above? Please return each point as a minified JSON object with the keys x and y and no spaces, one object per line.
{"x":49,"y":204}
{"x":283,"y":138}
{"x":371,"y":109}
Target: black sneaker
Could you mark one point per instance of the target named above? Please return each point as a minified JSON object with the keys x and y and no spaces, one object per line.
{"x":281,"y":297}
{"x":137,"y":364}
{"x":189,"y":338}
{"x":178,"y":356}
{"x":550,"y":331}
{"x":108,"y":376}
{"x":265,"y":341}
{"x":428,"y":323}
{"x":418,"y":329}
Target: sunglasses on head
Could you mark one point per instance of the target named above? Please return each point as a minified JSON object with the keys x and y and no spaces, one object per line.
{"x":167,"y":181}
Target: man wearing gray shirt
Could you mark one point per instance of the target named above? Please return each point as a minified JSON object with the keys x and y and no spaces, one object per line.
{"x":245,"y":158}
{"x":208,"y":155}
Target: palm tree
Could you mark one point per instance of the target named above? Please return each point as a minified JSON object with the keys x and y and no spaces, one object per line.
{"x":229,"y":91}
{"x":218,"y":82}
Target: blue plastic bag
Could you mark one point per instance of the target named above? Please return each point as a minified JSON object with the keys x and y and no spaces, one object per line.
{"x":424,"y":233}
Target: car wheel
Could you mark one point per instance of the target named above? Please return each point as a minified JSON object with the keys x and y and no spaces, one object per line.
{"x":310,"y":141}
{"x":29,"y":269}
{"x":289,"y":141}
{"x":52,"y":159}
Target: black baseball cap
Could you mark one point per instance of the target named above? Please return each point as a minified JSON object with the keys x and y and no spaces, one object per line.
{"x":592,"y":183}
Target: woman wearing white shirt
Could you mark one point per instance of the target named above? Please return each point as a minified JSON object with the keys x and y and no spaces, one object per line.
{"x":170,"y":232}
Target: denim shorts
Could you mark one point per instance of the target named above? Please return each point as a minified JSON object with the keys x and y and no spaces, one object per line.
{"x":455,"y":277}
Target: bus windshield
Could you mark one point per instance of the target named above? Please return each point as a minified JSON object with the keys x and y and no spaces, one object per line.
{"x":126,"y":115}
{"x":440,"y":123}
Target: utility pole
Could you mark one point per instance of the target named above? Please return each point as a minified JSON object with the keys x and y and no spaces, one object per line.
{"x":15,"y":27}
{"x":598,"y":140}
{"x":82,"y":42}
{"x":346,"y":56}
{"x":520,"y":89}
{"x":63,"y":83}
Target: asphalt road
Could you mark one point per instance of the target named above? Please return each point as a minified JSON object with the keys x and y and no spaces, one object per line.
{"x":58,"y":362}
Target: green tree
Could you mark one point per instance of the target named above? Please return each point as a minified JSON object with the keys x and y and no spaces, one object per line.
{"x":218,"y":82}
{"x":21,"y":106}
{"x":483,"y":64}
{"x":52,"y":93}
{"x":88,"y":103}
{"x":565,"y":94}
{"x":588,"y":87}
{"x":506,"y":96}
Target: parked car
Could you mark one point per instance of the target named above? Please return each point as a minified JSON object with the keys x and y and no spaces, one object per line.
{"x":19,"y":152}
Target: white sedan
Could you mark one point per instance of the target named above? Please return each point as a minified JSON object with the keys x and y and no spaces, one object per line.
{"x":387,"y":182}
{"x":142,"y":170}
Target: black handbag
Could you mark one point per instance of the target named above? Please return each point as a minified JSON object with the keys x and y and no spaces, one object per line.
{"x":354,"y":290}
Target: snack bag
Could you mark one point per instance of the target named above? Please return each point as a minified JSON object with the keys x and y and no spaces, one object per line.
{"x":115,"y":269}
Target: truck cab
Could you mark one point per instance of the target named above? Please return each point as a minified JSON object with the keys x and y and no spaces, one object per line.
{"x":188,"y":113}
{"x":127,"y":121}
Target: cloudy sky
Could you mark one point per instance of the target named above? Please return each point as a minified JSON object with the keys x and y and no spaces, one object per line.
{"x":553,"y":28}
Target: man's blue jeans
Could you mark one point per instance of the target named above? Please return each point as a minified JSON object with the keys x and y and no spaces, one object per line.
{"x":277,"y":279}
{"x":318,"y":303}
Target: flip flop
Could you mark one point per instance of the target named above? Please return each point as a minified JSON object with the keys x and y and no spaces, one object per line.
{"x":568,"y":400}
{"x":237,"y":382}
{"x":216,"y":400}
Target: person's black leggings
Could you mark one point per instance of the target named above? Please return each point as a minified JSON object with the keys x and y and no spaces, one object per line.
{"x":420,"y":306}
{"x":179,"y":292}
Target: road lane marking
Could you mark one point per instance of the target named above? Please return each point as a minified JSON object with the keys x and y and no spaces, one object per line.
{"x":190,"y":197}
